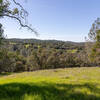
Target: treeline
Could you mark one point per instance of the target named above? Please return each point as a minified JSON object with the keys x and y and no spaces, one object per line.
{"x":18,"y":56}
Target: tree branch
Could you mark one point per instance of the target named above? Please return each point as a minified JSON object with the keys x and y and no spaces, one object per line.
{"x":20,"y":6}
{"x":19,"y":15}
{"x":22,"y":25}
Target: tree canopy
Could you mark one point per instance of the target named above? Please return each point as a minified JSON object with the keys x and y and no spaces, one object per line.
{"x":94,"y":31}
{"x":94,"y":36}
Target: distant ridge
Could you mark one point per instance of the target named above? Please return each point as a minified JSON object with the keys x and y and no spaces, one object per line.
{"x":34,"y":40}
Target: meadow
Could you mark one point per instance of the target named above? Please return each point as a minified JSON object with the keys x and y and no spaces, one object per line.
{"x":55,"y":84}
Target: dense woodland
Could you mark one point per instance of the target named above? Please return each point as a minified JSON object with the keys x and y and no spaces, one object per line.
{"x":31,"y":54}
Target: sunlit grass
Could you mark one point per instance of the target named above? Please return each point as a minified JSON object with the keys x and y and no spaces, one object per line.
{"x":58,"y":84}
{"x":72,"y":51}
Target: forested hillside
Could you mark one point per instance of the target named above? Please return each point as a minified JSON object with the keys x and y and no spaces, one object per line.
{"x":31,"y":54}
{"x":66,"y":45}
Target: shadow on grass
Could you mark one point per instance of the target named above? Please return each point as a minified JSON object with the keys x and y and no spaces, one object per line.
{"x":47,"y":91}
{"x":5,"y":74}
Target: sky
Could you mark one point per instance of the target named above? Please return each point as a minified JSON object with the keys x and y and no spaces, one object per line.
{"x":68,"y":20}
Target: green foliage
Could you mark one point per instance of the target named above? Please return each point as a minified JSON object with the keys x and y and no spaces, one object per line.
{"x":15,"y":11}
{"x":1,"y":1}
{"x":95,"y":35}
{"x":30,"y":55}
{"x":11,"y":62}
{"x":72,"y":51}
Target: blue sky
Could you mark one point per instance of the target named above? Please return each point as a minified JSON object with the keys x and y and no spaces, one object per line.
{"x":68,"y":20}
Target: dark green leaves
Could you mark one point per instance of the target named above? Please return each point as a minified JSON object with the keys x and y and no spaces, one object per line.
{"x":1,"y":1}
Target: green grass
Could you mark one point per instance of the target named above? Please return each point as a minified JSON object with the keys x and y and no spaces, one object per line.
{"x":72,"y":51}
{"x":59,"y":84}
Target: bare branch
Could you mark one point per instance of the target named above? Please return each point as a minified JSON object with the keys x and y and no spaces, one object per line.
{"x":23,"y":25}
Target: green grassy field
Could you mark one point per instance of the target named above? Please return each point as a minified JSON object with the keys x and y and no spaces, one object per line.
{"x":59,"y":84}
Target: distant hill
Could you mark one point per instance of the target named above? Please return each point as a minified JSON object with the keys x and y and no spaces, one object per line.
{"x":52,"y":43}
{"x":38,"y":40}
{"x":43,"y":41}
